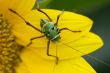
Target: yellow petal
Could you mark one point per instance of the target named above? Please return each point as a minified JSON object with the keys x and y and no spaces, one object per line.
{"x":84,"y":45}
{"x":73,"y":21}
{"x":22,"y":31}
{"x":36,"y":64}
{"x":4,"y":4}
{"x":78,"y":65}
{"x":22,"y":6}
{"x":22,"y":68}
{"x":88,"y":44}
{"x":68,"y":19}
{"x":18,"y":6}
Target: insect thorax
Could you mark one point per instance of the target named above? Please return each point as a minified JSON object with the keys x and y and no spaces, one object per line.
{"x":50,"y":30}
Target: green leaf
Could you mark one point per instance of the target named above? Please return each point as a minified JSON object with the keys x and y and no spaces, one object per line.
{"x":44,"y":3}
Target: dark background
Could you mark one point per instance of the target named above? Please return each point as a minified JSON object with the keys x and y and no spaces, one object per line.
{"x":99,"y":12}
{"x":101,"y":26}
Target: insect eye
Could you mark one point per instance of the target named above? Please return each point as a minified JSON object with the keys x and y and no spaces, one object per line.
{"x":48,"y":32}
{"x":52,"y":28}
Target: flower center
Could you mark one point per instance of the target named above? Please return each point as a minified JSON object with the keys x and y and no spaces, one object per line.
{"x":9,"y":48}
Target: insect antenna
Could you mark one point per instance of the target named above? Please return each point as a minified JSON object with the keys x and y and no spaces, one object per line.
{"x":44,"y":14}
{"x":42,"y":11}
{"x":58,"y":17}
{"x":96,"y":59}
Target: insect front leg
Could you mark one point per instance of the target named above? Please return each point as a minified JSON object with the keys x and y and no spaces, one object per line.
{"x":48,"y":45}
{"x":67,"y":29}
{"x":34,"y":39}
{"x":29,"y":24}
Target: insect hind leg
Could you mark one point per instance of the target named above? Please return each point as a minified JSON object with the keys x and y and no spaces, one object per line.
{"x":48,"y":44}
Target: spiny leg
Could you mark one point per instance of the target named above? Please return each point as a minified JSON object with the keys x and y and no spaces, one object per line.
{"x":67,"y":29}
{"x":29,"y":24}
{"x":34,"y":39}
{"x":58,"y":17}
{"x":48,"y":45}
{"x":44,"y":14}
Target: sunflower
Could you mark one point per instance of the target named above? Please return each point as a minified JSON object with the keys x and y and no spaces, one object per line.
{"x":10,"y":49}
{"x":70,"y":48}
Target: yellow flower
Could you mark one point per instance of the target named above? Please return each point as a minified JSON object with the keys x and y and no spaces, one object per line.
{"x":9,"y":48}
{"x":70,"y":48}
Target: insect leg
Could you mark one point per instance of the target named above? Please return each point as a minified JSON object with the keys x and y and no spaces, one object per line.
{"x":48,"y":44}
{"x":29,"y":24}
{"x":44,"y":14}
{"x":58,"y":17}
{"x":67,"y":29}
{"x":34,"y":39}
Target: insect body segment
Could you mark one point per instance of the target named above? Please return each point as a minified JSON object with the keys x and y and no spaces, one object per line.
{"x":50,"y":30}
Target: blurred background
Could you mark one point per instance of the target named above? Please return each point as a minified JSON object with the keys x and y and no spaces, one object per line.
{"x":99,"y":12}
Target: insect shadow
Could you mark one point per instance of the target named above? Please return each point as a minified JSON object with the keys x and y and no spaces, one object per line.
{"x":52,"y":32}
